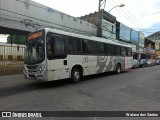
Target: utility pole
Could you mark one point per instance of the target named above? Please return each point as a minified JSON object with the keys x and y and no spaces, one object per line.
{"x":99,"y":21}
{"x":99,"y":7}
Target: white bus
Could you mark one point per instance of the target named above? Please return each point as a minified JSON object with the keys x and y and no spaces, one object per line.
{"x":53,"y":55}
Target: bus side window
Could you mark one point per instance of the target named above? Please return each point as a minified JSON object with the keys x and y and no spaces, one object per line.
{"x":74,"y":45}
{"x":109,"y":49}
{"x":126,"y":51}
{"x":129,"y":51}
{"x":123,"y":51}
{"x":106,"y":49}
{"x":78,"y":46}
{"x":89,"y":47}
{"x":100,"y":48}
{"x":50,"y":47}
{"x":71,"y":45}
{"x":117,"y":50}
{"x":55,"y":46}
{"x":59,"y":45}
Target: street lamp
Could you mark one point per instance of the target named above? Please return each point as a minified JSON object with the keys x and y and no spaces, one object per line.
{"x":121,"y":5}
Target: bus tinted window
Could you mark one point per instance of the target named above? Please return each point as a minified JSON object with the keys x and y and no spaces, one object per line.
{"x":59,"y":45}
{"x":78,"y":45}
{"x":71,"y":45}
{"x":88,"y":47}
{"x":122,"y":51}
{"x":117,"y":50}
{"x":100,"y":48}
{"x":111,"y":50}
{"x":55,"y":45}
{"x":126,"y":51}
{"x":74,"y":45}
{"x":106,"y":48}
{"x":129,"y":51}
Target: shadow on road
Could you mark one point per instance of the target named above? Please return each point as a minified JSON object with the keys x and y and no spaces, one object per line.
{"x":14,"y":89}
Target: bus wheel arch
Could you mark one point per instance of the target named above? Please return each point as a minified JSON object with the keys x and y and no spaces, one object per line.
{"x":76,"y":73}
{"x":118,"y":68}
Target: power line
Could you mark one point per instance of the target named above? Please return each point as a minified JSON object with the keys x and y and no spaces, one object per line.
{"x":132,"y":15}
{"x":152,"y":13}
{"x":123,"y":14}
{"x":128,"y":17}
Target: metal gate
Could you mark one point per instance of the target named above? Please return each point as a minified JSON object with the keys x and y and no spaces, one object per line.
{"x":11,"y":59}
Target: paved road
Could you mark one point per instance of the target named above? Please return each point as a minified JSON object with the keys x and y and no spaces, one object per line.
{"x":134,"y":90}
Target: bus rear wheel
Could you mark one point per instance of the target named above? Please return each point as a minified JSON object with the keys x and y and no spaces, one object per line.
{"x":76,"y":75}
{"x":118,"y":69}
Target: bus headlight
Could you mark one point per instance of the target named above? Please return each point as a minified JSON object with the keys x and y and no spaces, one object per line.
{"x":25,"y":69}
{"x":41,"y":68}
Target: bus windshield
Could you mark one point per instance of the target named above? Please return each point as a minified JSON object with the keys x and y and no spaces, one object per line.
{"x":35,"y":50}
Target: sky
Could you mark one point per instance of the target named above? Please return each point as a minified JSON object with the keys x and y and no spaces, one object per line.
{"x":142,"y":15}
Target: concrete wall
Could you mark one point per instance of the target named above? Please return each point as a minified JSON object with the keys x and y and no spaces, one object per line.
{"x":29,"y":16}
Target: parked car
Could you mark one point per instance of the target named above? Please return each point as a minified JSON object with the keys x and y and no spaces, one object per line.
{"x":149,"y":62}
{"x":154,"y":62}
{"x":135,"y":63}
{"x":143,"y":63}
{"x":158,"y":61}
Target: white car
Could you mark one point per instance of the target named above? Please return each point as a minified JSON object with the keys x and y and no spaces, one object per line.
{"x":143,"y":63}
{"x":149,"y":62}
{"x":158,"y":61}
{"x":135,"y":63}
{"x":154,"y":62}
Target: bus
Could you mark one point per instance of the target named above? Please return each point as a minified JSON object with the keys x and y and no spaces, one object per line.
{"x":52,"y":54}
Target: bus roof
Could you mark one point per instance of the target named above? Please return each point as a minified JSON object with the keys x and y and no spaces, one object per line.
{"x":93,"y":38}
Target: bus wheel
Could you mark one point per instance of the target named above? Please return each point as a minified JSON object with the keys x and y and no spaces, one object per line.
{"x":118,"y":69}
{"x":75,"y":75}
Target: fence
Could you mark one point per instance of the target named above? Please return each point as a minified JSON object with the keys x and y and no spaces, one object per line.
{"x":11,"y":59}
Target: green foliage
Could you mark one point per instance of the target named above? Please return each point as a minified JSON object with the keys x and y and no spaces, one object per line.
{"x":17,"y":39}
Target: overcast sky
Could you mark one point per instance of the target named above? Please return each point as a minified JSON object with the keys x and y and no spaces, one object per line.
{"x":143,"y":15}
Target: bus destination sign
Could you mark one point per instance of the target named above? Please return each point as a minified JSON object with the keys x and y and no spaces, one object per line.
{"x":34,"y":35}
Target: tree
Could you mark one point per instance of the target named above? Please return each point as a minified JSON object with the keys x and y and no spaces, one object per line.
{"x":17,"y":39}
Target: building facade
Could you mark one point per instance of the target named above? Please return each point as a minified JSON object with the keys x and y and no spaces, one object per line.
{"x":105,"y":22}
{"x":155,"y":37}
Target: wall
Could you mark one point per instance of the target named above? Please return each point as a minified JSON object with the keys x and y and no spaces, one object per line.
{"x":29,"y":16}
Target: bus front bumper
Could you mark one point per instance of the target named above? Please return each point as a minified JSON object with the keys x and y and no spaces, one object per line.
{"x":35,"y":76}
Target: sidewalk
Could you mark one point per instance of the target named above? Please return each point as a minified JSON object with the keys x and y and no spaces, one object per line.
{"x":12,"y":79}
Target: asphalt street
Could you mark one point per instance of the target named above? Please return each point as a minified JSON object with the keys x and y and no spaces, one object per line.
{"x":132,"y":90}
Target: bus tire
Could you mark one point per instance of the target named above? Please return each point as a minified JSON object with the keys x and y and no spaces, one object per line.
{"x":118,"y":69}
{"x":76,"y":75}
